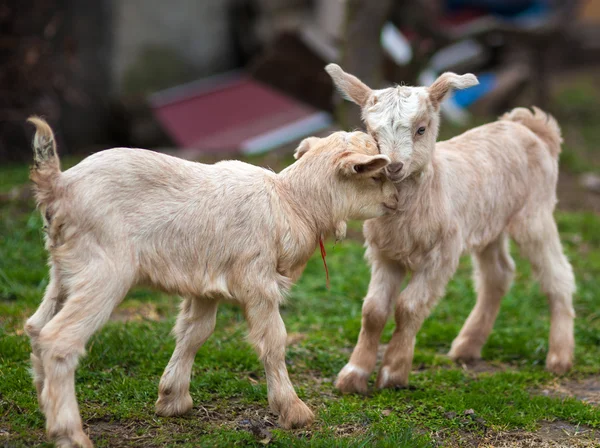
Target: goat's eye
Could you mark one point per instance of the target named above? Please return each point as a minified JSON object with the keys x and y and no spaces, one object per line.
{"x":421,"y":130}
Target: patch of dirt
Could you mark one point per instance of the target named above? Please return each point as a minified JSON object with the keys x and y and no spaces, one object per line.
{"x":260,"y":422}
{"x":587,"y":390}
{"x":118,"y":434}
{"x":473,"y":429}
{"x":232,"y":413}
{"x":140,"y":312}
{"x":257,"y":420}
{"x":261,"y":429}
{"x":121,"y":434}
{"x":556,"y":434}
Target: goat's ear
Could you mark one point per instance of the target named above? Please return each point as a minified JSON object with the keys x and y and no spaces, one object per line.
{"x":304,"y":146}
{"x":349,"y":85}
{"x":358,"y":164}
{"x":446,"y":83}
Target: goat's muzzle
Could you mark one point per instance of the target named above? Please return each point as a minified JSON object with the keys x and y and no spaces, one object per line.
{"x":394,"y":171}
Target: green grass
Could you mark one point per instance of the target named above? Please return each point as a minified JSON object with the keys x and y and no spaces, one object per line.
{"x":117,"y":381}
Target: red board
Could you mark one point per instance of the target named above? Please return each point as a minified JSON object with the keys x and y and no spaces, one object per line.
{"x":228,"y":113}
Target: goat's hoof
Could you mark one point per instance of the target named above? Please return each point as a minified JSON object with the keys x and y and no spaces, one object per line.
{"x":351,"y":380}
{"x":76,"y":440}
{"x":387,"y":379}
{"x":172,"y":405}
{"x":297,"y":415}
{"x":559,"y":364}
{"x":464,"y":351}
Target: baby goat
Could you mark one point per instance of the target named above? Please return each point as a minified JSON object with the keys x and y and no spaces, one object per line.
{"x":466,"y":194}
{"x":229,"y":231}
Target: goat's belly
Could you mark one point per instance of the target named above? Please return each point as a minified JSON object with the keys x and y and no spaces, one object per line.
{"x":199,"y":285}
{"x":184,"y":274}
{"x":485,"y":224}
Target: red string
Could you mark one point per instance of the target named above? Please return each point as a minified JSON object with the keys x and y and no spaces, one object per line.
{"x":323,"y":255}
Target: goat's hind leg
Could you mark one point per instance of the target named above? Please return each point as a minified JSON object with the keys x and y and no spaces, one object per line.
{"x":386,"y":278}
{"x":54,"y":297}
{"x":494,"y":273}
{"x":93,"y":295}
{"x":539,"y":241}
{"x":195,"y":324}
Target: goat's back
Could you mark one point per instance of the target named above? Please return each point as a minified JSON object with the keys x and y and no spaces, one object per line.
{"x":480,"y":180}
{"x":187,"y":226}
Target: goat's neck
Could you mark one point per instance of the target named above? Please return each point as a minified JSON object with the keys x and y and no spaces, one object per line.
{"x":308,"y":204}
{"x":418,"y":183}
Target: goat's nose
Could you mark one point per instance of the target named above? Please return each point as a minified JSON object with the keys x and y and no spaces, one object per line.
{"x":395,"y":168}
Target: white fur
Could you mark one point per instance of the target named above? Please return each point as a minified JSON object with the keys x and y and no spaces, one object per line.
{"x":468,"y":194}
{"x":229,"y":231}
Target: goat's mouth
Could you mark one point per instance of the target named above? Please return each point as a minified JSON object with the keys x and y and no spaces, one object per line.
{"x":399,"y":177}
{"x":390,"y":207}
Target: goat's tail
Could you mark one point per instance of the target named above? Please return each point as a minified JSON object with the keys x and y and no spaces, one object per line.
{"x":46,"y":166}
{"x":541,"y":123}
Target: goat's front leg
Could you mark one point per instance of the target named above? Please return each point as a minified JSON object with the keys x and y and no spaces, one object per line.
{"x":412,"y":307}
{"x":268,"y":335}
{"x":195,"y":324}
{"x":386,"y":277}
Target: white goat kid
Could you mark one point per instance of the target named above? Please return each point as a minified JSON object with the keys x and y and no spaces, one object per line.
{"x":229,"y":231}
{"x":466,"y":194}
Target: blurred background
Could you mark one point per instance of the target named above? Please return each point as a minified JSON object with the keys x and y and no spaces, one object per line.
{"x":213,"y":79}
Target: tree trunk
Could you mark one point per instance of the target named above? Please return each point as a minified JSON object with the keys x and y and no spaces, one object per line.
{"x":362,"y":54}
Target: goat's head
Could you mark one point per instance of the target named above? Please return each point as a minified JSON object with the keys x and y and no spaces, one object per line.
{"x":357,"y":183}
{"x":403,"y":120}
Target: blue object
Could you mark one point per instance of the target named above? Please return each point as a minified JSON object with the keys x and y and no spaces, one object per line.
{"x":532,"y":14}
{"x":504,"y":8}
{"x":464,"y":98}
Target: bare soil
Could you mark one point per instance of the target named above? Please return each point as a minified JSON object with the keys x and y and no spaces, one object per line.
{"x":550,"y":435}
{"x":587,"y":390}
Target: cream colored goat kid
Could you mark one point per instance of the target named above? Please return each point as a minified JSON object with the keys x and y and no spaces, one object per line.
{"x":466,"y":194}
{"x":229,"y":231}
